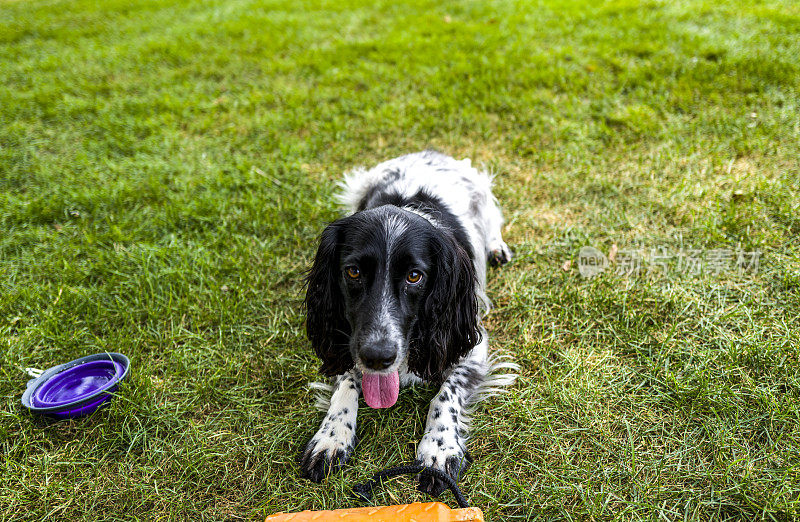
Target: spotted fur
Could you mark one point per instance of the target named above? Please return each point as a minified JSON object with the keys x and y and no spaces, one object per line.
{"x":441,"y":212}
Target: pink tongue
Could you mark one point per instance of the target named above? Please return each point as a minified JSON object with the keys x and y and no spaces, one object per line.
{"x":380,"y":391}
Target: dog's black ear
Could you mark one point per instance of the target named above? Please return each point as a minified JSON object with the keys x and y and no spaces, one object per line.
{"x":326,"y":326}
{"x":447,"y":326}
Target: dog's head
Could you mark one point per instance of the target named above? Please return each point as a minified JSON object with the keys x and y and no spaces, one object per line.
{"x":389,"y":288}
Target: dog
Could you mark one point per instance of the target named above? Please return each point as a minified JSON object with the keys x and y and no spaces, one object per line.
{"x":395,"y":297}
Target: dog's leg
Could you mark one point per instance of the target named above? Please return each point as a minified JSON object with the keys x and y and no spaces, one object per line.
{"x":333,"y":443}
{"x":498,"y":252}
{"x":443,"y":445}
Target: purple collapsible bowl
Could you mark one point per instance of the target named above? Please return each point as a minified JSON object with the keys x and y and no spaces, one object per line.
{"x":76,"y":388}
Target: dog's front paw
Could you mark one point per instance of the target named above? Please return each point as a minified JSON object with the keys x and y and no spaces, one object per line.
{"x":499,"y":253}
{"x":445,"y":455}
{"x":324,"y":455}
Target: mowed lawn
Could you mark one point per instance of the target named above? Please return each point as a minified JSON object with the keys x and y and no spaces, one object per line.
{"x":166,"y":167}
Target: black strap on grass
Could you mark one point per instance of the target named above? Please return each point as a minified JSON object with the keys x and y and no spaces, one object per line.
{"x":364,"y":490}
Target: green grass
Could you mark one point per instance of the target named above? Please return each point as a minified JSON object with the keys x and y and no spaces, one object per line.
{"x":165,"y":167}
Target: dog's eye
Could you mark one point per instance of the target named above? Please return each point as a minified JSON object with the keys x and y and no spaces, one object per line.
{"x":414,"y":277}
{"x":352,"y":272}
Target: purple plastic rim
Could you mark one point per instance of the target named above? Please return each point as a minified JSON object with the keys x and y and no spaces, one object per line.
{"x":87,"y":385}
{"x":80,"y":411}
{"x":75,"y":384}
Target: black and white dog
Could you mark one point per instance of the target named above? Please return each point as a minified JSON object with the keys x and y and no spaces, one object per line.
{"x":395,"y":297}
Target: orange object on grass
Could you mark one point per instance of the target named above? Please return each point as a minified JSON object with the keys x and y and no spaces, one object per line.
{"x":416,"y":512}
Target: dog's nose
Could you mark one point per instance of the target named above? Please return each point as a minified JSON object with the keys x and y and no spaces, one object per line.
{"x":378,"y":356}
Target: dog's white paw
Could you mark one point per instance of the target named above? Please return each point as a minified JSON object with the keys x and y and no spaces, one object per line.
{"x":499,"y":253}
{"x":443,"y":450}
{"x":327,"y":451}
